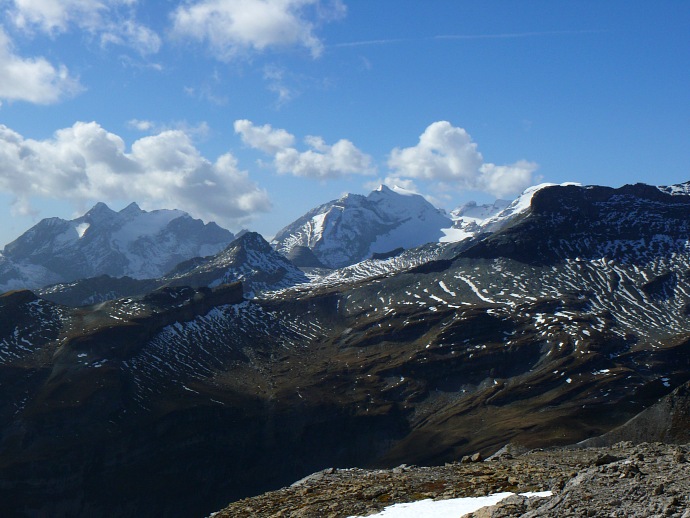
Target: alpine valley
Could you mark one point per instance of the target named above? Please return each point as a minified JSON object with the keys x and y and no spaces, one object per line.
{"x":163,"y":367}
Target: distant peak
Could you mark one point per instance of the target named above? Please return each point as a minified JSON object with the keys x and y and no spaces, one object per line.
{"x":132,"y":208}
{"x":252,"y":239}
{"x":383,"y":188}
{"x":99,"y":208}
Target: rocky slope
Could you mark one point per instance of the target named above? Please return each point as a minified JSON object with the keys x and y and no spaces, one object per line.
{"x":131,"y":242}
{"x":623,"y":480}
{"x":346,"y":231}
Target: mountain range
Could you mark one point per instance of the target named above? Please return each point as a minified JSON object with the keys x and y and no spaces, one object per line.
{"x":562,"y":316}
{"x":131,"y":242}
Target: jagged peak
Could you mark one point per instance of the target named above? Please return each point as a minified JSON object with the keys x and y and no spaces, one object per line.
{"x":99,"y":208}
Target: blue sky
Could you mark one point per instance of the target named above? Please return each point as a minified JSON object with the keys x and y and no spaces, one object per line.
{"x":251,"y":112}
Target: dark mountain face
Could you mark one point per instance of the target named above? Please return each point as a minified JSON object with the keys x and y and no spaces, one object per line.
{"x":180,"y":401}
{"x":633,"y":224}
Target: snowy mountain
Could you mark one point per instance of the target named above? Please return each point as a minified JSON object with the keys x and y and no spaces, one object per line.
{"x":131,"y":242}
{"x":469,"y":218}
{"x":472,"y":219}
{"x":248,"y":259}
{"x":348,"y":230}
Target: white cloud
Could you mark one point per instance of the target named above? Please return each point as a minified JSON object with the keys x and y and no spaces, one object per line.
{"x":112,"y":20}
{"x":504,"y":180}
{"x":320,"y":161}
{"x":87,"y":163}
{"x":233,"y":27}
{"x":131,"y":34}
{"x":269,"y":140}
{"x":197,"y":131}
{"x":448,"y":155}
{"x":141,"y":125}
{"x":276,"y":83}
{"x":54,"y":16}
{"x":34,"y":80}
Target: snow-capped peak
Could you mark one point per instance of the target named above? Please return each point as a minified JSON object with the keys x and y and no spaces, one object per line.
{"x":395,"y":189}
{"x":351,"y":229}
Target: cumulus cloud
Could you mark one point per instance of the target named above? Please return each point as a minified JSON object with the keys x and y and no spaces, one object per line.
{"x":321,"y":160}
{"x":112,"y":20}
{"x":270,"y":141}
{"x":87,"y":163}
{"x":35,"y":79}
{"x":448,"y":155}
{"x":234,"y":27}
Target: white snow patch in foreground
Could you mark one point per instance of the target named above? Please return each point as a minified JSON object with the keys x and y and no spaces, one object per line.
{"x":451,"y":508}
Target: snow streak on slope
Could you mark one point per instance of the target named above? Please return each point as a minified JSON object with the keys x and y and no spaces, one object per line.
{"x":650,"y":302}
{"x":193,"y":351}
{"x":35,"y":322}
{"x":376,"y":267}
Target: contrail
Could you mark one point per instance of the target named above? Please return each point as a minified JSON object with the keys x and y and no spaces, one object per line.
{"x":502,"y":36}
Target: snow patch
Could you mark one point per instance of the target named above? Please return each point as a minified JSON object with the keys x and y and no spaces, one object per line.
{"x":451,"y":508}
{"x":82,"y":228}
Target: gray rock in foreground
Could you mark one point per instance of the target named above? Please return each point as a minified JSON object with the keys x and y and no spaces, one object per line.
{"x":622,"y":480}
